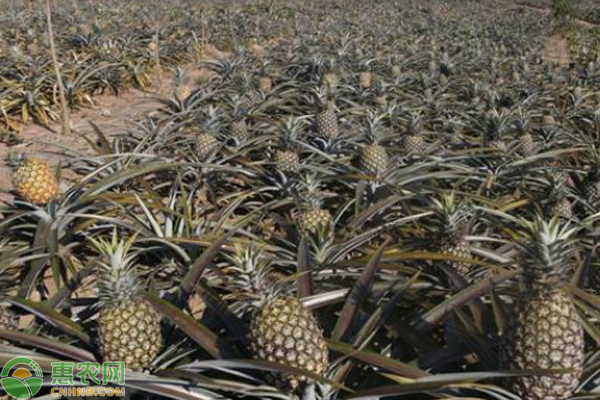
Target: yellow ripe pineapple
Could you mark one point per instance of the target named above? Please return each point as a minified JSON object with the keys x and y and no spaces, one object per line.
{"x":128,"y":326}
{"x":546,"y":332}
{"x":33,"y":180}
{"x":374,"y":159}
{"x":281,"y":330}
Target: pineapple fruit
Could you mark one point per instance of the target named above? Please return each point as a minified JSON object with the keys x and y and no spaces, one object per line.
{"x":326,"y":119}
{"x":281,"y":329}
{"x":128,"y":326}
{"x":34,"y":180}
{"x":374,"y":158}
{"x":286,"y":155}
{"x":285,"y":332}
{"x":450,"y":218}
{"x":546,"y":332}
{"x":414,"y":141}
{"x":313,"y":219}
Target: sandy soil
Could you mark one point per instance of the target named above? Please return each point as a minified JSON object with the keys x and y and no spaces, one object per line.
{"x":110,"y":113}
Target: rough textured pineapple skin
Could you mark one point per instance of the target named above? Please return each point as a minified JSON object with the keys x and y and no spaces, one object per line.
{"x":546,"y":334}
{"x":563,"y":209}
{"x":287,"y":161}
{"x":285,"y":332}
{"x":35,"y":182}
{"x":374,"y":160}
{"x":313,"y":221}
{"x":460,"y":249}
{"x":183,"y":92}
{"x":497,"y":145}
{"x":206,"y":144}
{"x":239,"y":130}
{"x":130,"y":333}
{"x":527,"y":145}
{"x":326,"y":121}
{"x":414,"y":144}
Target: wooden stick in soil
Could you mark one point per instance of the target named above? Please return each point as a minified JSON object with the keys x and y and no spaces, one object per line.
{"x":66,"y":123}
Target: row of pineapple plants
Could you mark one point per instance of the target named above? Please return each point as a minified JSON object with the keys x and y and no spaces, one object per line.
{"x":330,"y":217}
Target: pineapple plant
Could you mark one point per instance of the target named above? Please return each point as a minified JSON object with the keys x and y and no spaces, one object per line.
{"x":546,"y":332}
{"x":281,"y":329}
{"x":494,"y":125}
{"x":128,"y":326}
{"x":374,"y":158}
{"x":33,"y":179}
{"x":313,"y":219}
{"x":450,"y":227}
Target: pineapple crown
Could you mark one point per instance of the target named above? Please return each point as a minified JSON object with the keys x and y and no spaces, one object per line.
{"x":310,"y":194}
{"x":290,"y":128}
{"x":557,"y":183}
{"x":372,"y":129}
{"x":15,"y":160}
{"x":413,"y":122}
{"x":238,"y":106}
{"x":548,"y":247}
{"x":181,"y":77}
{"x":118,"y":280}
{"x":522,"y":123}
{"x":249,"y":274}
{"x":494,"y":124}
{"x":450,"y":215}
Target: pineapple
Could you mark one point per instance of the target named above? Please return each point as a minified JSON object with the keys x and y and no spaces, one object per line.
{"x":33,"y":179}
{"x":128,"y":326}
{"x":527,"y":145}
{"x":183,"y":90}
{"x":206,"y":145}
{"x":287,"y":159}
{"x":590,"y":186}
{"x":558,"y":197}
{"x":326,"y":119}
{"x":281,"y":330}
{"x":313,"y":219}
{"x":238,"y":126}
{"x":414,"y":142}
{"x":546,"y":332}
{"x":374,"y":159}
{"x":450,"y":228}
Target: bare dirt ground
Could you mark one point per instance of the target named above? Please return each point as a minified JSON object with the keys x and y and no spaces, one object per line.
{"x":556,"y":50}
{"x":110,"y":113}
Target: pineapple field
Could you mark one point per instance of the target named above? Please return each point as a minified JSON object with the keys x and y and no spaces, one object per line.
{"x":319,"y":200}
